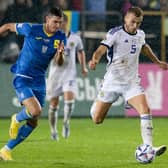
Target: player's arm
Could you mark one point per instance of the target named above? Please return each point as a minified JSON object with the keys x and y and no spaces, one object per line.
{"x":100,"y":51}
{"x":82,"y":61}
{"x":9,"y":27}
{"x":59,"y":56}
{"x":147,"y":51}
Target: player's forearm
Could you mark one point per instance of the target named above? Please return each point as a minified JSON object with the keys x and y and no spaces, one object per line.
{"x":7,"y":27}
{"x":59,"y":58}
{"x":99,"y":53}
{"x":147,"y":51}
{"x":97,"y":56}
{"x":82,"y":59}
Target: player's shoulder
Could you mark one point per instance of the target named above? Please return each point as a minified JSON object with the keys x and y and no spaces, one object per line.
{"x":115,"y":30}
{"x":74,"y":34}
{"x":141,"y":32}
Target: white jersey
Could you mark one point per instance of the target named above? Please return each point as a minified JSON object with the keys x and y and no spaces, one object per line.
{"x":123,"y":56}
{"x":67,"y":71}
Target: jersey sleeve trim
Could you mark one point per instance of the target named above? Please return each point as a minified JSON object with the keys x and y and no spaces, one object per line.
{"x":105,"y":45}
{"x":16,"y":29}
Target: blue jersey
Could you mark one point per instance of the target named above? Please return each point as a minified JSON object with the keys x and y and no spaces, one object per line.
{"x":38,"y":49}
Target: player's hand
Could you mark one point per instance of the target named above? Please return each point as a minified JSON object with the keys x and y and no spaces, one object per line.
{"x":163,"y":65}
{"x":92,"y":65}
{"x":84,"y":72}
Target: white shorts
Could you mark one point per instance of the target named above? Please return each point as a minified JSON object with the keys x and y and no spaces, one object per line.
{"x":59,"y":88}
{"x":126,"y":91}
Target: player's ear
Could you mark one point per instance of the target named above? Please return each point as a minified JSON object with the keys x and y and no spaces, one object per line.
{"x":46,"y":18}
{"x":125,"y":18}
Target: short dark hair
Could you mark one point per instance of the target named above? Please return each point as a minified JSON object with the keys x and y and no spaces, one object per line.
{"x":136,"y":11}
{"x":56,"y":11}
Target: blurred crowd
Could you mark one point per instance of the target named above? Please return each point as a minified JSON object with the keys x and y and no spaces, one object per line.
{"x":34,"y":10}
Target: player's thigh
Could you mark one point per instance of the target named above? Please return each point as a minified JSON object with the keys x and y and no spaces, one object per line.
{"x":69,"y":89}
{"x":54,"y":92}
{"x":102,"y":104}
{"x":139,"y":102}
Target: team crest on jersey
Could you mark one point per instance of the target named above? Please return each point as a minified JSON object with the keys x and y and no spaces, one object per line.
{"x":56,"y":43}
{"x":72,"y":44}
{"x":44,"y":49}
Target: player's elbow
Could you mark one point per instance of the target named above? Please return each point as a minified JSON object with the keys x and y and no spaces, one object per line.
{"x":9,"y":27}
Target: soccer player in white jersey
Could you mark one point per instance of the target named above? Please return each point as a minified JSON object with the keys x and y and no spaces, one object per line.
{"x":124,"y":45}
{"x":62,"y":80}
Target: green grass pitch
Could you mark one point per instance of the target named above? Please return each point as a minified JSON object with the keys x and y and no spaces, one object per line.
{"x":109,"y":145}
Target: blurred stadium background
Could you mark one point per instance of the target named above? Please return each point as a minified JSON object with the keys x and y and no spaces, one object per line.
{"x":91,"y":19}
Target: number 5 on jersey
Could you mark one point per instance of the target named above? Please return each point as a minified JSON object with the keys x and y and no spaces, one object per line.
{"x":133,"y":49}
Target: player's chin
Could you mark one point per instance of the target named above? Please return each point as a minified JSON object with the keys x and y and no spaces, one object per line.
{"x":54,"y":30}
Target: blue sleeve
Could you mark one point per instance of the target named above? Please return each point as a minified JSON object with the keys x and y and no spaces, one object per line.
{"x":23,"y":28}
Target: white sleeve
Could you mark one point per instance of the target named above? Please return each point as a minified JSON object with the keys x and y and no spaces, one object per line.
{"x":79,"y":44}
{"x":109,"y":39}
{"x":143,"y":38}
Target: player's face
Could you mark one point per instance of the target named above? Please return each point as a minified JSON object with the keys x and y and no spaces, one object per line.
{"x":53,"y":23}
{"x":132,"y":22}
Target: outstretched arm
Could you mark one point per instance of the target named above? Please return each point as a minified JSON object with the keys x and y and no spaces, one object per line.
{"x":82,"y":61}
{"x":147,"y":51}
{"x":9,"y":27}
{"x":100,"y":51}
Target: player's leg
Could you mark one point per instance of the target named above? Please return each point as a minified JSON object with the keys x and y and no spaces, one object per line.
{"x":69,"y":101}
{"x":139,"y":102}
{"x":99,"y":110}
{"x":53,"y":117}
{"x":33,"y":101}
{"x":31,"y":110}
{"x":102,"y":104}
{"x":24,"y":131}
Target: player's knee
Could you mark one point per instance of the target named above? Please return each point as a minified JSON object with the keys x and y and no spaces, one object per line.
{"x":36,"y":112}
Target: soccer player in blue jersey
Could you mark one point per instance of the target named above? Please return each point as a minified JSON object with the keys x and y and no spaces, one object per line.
{"x":42,"y":42}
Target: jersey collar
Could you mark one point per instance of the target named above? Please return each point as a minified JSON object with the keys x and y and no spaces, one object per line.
{"x":47,"y":34}
{"x":132,"y":34}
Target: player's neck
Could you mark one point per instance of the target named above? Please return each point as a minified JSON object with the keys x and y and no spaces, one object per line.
{"x":127,"y":30}
{"x":46,"y":30}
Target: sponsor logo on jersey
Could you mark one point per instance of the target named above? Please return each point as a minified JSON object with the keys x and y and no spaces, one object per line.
{"x":126,"y":40}
{"x":38,"y":38}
